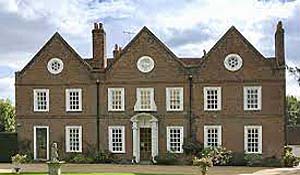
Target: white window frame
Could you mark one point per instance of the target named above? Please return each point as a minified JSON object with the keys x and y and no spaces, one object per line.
{"x":67,"y":137}
{"x":35,"y":101}
{"x":168,"y":98}
{"x":137,"y":106}
{"x":68,"y":99}
{"x":260,"y":141}
{"x":219,"y":96}
{"x":110,"y":144}
{"x":206,"y":128}
{"x":181,"y":138}
{"x":259,"y":98}
{"x":110,"y":99}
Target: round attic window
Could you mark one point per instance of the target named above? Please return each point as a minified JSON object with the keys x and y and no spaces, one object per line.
{"x":145,"y":64}
{"x":55,"y":66}
{"x":233,"y":62}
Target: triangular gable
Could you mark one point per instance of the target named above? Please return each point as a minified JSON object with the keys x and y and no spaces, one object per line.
{"x":60,"y":38}
{"x":145,"y":29}
{"x":232,"y":29}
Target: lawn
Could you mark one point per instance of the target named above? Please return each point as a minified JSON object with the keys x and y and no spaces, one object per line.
{"x":94,"y":174}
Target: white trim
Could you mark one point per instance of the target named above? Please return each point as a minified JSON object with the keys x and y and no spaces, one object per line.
{"x":68,"y":91}
{"x":34,"y":141}
{"x":110,"y":99}
{"x":219,"y":128}
{"x":219,"y":96}
{"x":260,"y":141}
{"x":259,"y":99}
{"x":49,"y":66}
{"x":229,"y":67}
{"x":67,"y":138}
{"x":142,"y":67}
{"x":168,"y":96}
{"x":110,"y":146}
{"x":181,"y":138}
{"x":137,"y":106}
{"x":35,"y":101}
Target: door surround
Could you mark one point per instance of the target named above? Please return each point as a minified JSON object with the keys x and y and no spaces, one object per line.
{"x":144,"y":120}
{"x":34,"y":141}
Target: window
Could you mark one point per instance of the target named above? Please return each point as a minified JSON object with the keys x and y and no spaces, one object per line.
{"x":212,"y":136}
{"x":252,"y":98}
{"x":212,"y":98}
{"x":117,"y":139}
{"x":145,"y":64}
{"x":175,"y":139}
{"x":41,"y":100}
{"x":55,"y":66}
{"x":73,"y":139}
{"x":73,"y":100}
{"x":253,"y":139}
{"x":116,"y":101}
{"x":233,"y":62}
{"x":145,"y":100}
{"x":174,"y":99}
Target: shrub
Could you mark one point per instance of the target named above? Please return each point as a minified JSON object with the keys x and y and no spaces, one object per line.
{"x":289,"y":159}
{"x":204,"y":163}
{"x":219,"y":156}
{"x":238,"y":159}
{"x":104,"y":157}
{"x":193,"y":148}
{"x":271,"y":162}
{"x":80,"y":158}
{"x":18,"y":159}
{"x":253,"y":159}
{"x":166,"y":159}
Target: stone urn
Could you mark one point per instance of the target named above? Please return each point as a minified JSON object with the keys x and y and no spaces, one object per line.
{"x":54,"y":165}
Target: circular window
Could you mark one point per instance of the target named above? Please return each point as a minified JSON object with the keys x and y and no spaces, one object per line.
{"x":145,"y":64}
{"x":233,"y":62}
{"x":55,"y":66}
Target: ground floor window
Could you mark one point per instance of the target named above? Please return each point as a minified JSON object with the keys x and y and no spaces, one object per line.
{"x":73,"y":139}
{"x":253,"y":139}
{"x":212,"y":136}
{"x":116,"y":139}
{"x":175,"y":139}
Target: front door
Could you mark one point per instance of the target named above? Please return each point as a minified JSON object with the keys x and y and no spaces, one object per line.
{"x":41,"y":143}
{"x":145,"y":144}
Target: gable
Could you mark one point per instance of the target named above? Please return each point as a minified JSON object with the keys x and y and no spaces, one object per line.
{"x":145,"y":43}
{"x":74,"y":70}
{"x":254,"y":64}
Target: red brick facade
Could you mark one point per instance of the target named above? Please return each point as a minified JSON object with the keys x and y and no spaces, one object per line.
{"x":169,"y":71}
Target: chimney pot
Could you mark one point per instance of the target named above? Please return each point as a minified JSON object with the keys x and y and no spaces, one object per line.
{"x":100,"y":25}
{"x":95,"y":26}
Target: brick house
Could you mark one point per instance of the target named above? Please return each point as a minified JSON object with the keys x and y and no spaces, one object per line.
{"x":146,"y":101}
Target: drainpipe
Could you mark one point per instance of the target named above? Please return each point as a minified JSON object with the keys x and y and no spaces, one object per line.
{"x":98,"y":116}
{"x":190,"y":107}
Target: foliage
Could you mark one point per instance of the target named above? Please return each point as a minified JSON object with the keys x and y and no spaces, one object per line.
{"x":295,"y":71}
{"x":288,"y":158}
{"x":238,"y":159}
{"x":167,"y":159}
{"x":104,"y":157}
{"x":271,"y":162}
{"x":18,"y":159}
{"x":219,"y":155}
{"x":253,"y":159}
{"x":293,"y":107}
{"x":81,"y":158}
{"x":204,"y":163}
{"x":7,"y":115}
{"x":193,"y":148}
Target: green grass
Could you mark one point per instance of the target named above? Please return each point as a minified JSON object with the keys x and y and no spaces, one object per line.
{"x":93,"y":174}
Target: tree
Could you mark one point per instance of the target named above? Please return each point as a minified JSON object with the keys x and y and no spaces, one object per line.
{"x":7,"y":115}
{"x":293,"y":107}
{"x":295,"y":71}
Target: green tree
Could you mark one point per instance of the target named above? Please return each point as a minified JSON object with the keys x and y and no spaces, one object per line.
{"x":295,"y":71}
{"x":7,"y":115}
{"x":293,"y":108}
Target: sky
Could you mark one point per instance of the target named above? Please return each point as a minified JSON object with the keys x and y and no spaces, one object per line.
{"x":185,"y":26}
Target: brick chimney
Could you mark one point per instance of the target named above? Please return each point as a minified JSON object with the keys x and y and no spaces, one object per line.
{"x":279,"y":45}
{"x":99,"y":47}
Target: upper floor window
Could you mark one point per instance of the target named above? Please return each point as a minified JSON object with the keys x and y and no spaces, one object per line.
{"x":116,"y":100}
{"x":145,"y":100}
{"x":55,"y":66}
{"x":73,"y":139}
{"x":73,"y":100}
{"x":252,"y":98}
{"x":175,"y":139}
{"x":212,"y":98}
{"x":212,"y":136}
{"x":116,"y":139}
{"x":253,"y":139}
{"x":174,"y":99}
{"x":41,"y":100}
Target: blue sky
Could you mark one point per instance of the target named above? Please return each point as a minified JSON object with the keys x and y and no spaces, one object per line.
{"x":187,"y":27}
